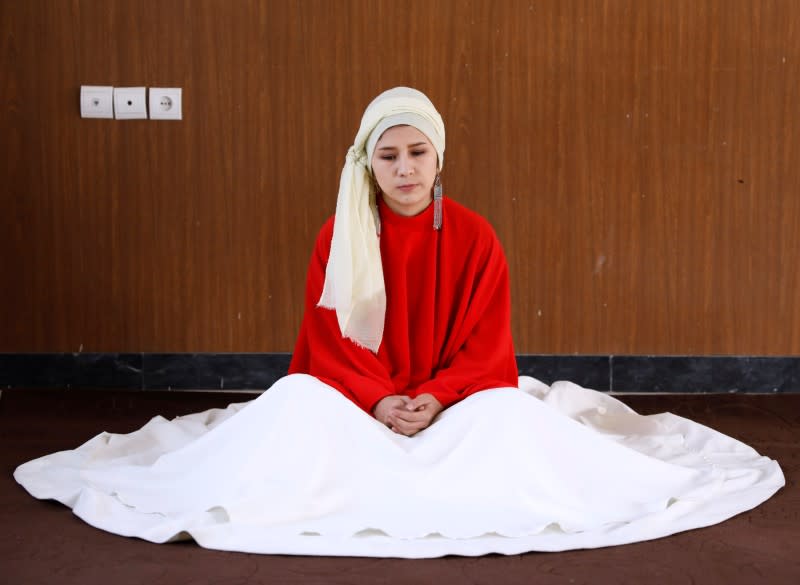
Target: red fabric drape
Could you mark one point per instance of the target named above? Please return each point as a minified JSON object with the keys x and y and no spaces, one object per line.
{"x":448,"y":316}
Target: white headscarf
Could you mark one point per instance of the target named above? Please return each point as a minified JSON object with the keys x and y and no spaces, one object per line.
{"x":354,"y":276}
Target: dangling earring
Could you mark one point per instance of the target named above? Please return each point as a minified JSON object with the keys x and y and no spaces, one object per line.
{"x":376,"y":192}
{"x":437,"y":202}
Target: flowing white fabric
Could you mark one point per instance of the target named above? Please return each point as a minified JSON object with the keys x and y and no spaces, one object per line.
{"x":354,"y":284}
{"x":301,"y":470}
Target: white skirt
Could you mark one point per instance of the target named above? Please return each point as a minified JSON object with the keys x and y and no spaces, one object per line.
{"x":301,"y":470}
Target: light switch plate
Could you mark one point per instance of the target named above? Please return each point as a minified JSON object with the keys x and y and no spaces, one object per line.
{"x":165,"y":103}
{"x":129,"y":103}
{"x":97,"y":101}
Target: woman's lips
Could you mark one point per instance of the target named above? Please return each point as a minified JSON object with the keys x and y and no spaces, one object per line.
{"x":407,"y":188}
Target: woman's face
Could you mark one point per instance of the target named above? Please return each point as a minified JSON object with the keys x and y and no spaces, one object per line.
{"x":404,"y":164}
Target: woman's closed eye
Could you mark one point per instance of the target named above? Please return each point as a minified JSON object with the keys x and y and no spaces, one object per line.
{"x":394,"y":156}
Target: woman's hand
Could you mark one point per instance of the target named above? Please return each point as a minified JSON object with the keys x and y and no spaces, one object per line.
{"x":406,"y":416}
{"x":386,"y":405}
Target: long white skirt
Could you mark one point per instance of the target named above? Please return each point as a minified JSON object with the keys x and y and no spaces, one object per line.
{"x":301,"y":470}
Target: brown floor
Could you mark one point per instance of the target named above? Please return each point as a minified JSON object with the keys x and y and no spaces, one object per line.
{"x":42,"y":542}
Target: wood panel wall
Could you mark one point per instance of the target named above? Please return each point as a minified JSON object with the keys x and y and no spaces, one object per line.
{"x":639,"y":159}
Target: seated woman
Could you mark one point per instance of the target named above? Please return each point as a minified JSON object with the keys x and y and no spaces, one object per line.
{"x":419,"y":284}
{"x":402,"y":429}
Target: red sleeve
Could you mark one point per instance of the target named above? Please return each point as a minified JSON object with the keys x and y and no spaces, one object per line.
{"x":321,"y":351}
{"x":480,"y":352}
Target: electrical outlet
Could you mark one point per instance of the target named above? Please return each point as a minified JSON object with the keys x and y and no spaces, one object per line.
{"x":129,"y":103}
{"x":166,"y":103}
{"x":97,"y":101}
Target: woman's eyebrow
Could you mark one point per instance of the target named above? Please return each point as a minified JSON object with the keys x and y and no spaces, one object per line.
{"x":409,"y":146}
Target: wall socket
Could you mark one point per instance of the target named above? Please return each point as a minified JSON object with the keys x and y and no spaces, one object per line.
{"x":166,"y":103}
{"x":129,"y":103}
{"x":126,"y":103}
{"x":97,"y":101}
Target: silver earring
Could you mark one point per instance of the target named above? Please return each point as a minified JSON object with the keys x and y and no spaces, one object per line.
{"x":437,"y":202}
{"x":376,"y":192}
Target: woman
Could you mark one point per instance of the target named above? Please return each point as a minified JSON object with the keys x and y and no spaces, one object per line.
{"x":419,"y":285}
{"x":403,"y":429}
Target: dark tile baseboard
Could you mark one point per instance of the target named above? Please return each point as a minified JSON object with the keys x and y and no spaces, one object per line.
{"x":258,"y":371}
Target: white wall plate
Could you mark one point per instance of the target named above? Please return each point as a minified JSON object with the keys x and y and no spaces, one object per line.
{"x":129,"y":103}
{"x":97,"y":101}
{"x":165,"y":103}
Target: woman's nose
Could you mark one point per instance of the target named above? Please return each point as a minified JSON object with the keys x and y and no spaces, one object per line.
{"x":403,"y":165}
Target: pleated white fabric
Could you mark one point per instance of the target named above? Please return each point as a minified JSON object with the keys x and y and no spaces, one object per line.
{"x":301,"y":470}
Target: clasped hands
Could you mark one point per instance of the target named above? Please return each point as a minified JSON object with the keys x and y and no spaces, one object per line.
{"x":407,"y":416}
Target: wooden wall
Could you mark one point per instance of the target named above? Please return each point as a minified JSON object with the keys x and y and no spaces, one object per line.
{"x":639,"y":159}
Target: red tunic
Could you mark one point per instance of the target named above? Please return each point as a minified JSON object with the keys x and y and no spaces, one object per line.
{"x":448,"y":314}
